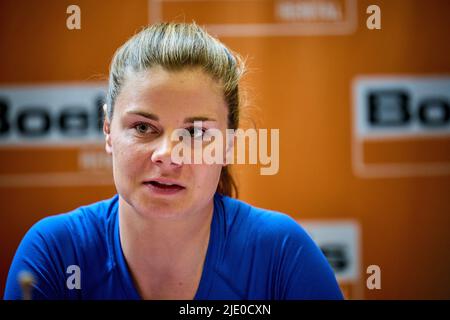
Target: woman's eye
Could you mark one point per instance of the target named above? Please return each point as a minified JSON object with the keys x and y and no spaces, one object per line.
{"x":143,"y":128}
{"x":196,"y":132}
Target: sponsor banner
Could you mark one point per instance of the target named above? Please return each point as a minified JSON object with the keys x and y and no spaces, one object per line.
{"x":340,"y":241}
{"x":51,"y":115}
{"x":51,"y":135}
{"x":262,"y":17}
{"x":401,"y":126}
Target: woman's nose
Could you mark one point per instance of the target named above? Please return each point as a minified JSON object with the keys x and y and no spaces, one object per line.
{"x":162,"y":154}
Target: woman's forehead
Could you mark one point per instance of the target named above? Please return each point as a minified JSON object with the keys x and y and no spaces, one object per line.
{"x":167,"y":92}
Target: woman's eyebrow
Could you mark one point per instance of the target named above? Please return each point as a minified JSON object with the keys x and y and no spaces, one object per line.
{"x":144,"y":114}
{"x":200,"y":118}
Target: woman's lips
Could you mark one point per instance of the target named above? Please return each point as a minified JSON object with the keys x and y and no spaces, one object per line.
{"x":165,"y":188}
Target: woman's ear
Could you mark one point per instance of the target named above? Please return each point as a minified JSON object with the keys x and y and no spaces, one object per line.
{"x":107,"y":130}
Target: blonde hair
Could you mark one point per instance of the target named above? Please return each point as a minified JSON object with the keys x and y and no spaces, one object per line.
{"x":175,"y":46}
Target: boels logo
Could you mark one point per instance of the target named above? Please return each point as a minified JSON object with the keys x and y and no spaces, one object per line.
{"x":52,"y":136}
{"x":401,"y":126}
{"x":54,"y":115}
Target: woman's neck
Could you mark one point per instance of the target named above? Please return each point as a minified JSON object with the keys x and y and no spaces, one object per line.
{"x":164,"y":246}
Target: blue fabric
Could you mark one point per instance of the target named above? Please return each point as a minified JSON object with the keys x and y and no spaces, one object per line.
{"x":252,"y":254}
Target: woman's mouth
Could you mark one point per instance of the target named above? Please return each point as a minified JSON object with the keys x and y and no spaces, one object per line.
{"x":166,"y":188}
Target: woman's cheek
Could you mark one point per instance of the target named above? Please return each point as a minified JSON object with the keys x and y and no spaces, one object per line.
{"x":209,"y":174}
{"x":128,"y":154}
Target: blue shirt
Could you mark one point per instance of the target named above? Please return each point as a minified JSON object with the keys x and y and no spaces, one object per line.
{"x":252,"y":254}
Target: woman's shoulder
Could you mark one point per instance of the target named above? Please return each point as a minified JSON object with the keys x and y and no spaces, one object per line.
{"x":267,"y":223}
{"x":57,"y":242}
{"x":82,"y":222}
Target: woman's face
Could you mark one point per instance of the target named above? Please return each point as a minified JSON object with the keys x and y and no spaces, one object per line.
{"x":149,"y":107}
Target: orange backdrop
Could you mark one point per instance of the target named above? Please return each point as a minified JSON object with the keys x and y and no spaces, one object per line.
{"x":301,"y":84}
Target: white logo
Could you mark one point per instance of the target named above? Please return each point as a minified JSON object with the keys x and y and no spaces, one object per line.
{"x":396,"y":119}
{"x":51,"y":115}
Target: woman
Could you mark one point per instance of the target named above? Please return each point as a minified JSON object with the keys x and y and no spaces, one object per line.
{"x":172,"y":231}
